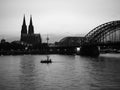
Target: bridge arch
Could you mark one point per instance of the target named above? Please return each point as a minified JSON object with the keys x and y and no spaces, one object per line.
{"x":104,"y":31}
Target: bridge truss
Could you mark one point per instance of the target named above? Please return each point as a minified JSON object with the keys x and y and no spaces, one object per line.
{"x":106,"y":33}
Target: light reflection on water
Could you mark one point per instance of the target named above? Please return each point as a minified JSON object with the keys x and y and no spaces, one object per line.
{"x":65,"y":73}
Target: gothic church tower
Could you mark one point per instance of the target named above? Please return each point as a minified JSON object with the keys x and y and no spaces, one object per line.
{"x":24,"y":29}
{"x":29,"y":37}
{"x":31,"y":28}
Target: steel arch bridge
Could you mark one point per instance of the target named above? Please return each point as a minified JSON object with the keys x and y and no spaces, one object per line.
{"x":106,"y":33}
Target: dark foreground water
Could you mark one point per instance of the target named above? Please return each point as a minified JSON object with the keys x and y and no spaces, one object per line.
{"x":65,"y":73}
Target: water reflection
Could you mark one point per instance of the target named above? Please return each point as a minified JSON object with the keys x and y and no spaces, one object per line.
{"x":65,"y":73}
{"x":57,"y":75}
{"x":104,"y":72}
{"x":28,"y":74}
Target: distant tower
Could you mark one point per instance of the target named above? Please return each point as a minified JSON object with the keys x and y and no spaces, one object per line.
{"x":47,"y":39}
{"x":31,"y":28}
{"x":24,"y":29}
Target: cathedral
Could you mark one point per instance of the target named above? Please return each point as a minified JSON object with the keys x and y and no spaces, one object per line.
{"x":29,"y":37}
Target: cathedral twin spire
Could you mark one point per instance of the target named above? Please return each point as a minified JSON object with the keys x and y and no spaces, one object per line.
{"x":30,"y":28}
{"x":24,"y":27}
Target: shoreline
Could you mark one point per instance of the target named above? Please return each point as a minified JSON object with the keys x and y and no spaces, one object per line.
{"x":37,"y":52}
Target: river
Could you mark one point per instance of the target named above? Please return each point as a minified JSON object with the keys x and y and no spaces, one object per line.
{"x":67,"y":72}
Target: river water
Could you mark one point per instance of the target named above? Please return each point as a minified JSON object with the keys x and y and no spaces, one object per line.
{"x":67,"y":72}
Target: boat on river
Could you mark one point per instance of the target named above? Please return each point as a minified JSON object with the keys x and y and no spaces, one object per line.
{"x":47,"y":61}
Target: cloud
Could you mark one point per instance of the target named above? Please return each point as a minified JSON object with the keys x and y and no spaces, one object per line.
{"x":74,"y":16}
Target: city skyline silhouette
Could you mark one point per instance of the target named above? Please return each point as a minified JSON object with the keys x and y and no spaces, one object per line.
{"x":56,"y":18}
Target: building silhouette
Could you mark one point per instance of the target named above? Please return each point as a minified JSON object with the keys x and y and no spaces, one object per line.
{"x":29,"y":37}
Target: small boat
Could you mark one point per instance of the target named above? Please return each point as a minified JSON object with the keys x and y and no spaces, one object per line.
{"x":46,"y":61}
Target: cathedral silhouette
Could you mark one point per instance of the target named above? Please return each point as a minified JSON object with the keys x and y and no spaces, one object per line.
{"x":29,"y":37}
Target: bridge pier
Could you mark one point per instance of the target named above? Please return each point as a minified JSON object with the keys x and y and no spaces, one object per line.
{"x":89,"y":50}
{"x":67,"y":50}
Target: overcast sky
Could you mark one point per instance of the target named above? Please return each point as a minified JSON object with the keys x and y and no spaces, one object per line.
{"x":57,"y":16}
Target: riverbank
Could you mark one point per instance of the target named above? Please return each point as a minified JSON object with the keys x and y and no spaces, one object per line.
{"x":38,"y":52}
